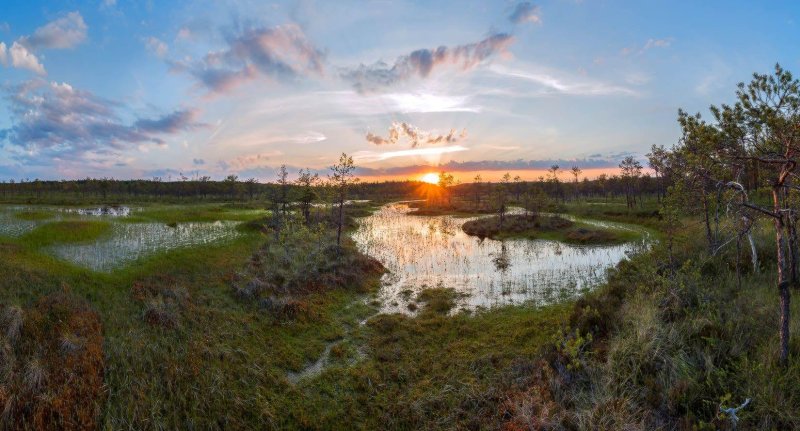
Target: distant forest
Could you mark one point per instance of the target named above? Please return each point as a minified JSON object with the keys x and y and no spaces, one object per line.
{"x":563,"y":185}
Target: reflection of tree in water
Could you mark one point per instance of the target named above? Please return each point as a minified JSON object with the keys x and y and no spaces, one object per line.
{"x":501,"y":260}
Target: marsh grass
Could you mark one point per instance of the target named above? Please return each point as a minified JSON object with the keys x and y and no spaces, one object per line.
{"x":663,"y":347}
{"x":66,"y":232}
{"x":33,"y":215}
{"x":52,"y":375}
{"x":550,"y":227}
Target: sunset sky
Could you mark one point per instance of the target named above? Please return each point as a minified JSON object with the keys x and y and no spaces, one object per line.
{"x":148,"y":88}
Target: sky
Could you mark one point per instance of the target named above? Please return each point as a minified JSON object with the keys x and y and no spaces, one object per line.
{"x":144,"y":89}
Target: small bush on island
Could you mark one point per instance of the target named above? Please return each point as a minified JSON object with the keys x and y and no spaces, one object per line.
{"x":301,"y":260}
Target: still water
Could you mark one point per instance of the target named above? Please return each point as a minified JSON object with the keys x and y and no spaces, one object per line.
{"x":422,"y":252}
{"x":126,"y":242}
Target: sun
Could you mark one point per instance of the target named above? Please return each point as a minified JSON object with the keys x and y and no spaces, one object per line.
{"x":431,"y":178}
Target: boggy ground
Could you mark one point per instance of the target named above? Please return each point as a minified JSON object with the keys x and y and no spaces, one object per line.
{"x":171,"y":342}
{"x":662,"y":345}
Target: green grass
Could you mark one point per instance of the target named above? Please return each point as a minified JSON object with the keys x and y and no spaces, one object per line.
{"x":224,"y":361}
{"x":193,"y":213}
{"x":553,"y":228}
{"x":68,"y":231}
{"x":34,"y":215}
{"x":656,"y":346}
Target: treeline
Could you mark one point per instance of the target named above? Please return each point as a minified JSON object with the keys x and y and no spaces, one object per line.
{"x":560,"y":185}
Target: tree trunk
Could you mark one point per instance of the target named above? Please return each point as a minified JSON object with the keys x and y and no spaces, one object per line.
{"x":707,"y":220}
{"x":339,"y":224}
{"x":783,"y":282}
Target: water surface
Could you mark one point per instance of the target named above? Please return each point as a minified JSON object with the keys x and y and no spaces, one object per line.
{"x":423,"y":252}
{"x":126,"y":242}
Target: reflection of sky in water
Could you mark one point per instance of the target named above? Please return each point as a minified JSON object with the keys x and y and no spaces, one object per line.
{"x":431,"y":251}
{"x":131,"y":241}
{"x":127,"y":241}
{"x":11,"y":226}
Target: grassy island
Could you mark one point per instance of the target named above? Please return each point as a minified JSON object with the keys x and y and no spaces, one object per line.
{"x":551,"y":227}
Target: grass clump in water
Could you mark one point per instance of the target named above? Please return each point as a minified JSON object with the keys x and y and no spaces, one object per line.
{"x":439,"y":300}
{"x":69,"y":231}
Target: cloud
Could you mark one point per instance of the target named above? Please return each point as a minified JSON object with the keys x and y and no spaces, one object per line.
{"x":65,"y":32}
{"x":372,"y":156}
{"x":578,"y":87}
{"x":249,"y":161}
{"x":21,"y":58}
{"x":56,"y":119}
{"x":422,"y":62}
{"x":171,"y":123}
{"x":185,"y":33}
{"x":282,"y":52}
{"x":198,"y":162}
{"x":650,"y":44}
{"x":525,"y":12}
{"x":657,"y":43}
{"x":415,"y":136}
{"x":156,"y":46}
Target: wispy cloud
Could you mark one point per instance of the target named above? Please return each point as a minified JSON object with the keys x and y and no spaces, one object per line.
{"x":65,"y":32}
{"x":282,"y":52}
{"x":156,"y":46}
{"x":564,"y":85}
{"x":415,"y":136}
{"x":422,"y":62}
{"x":650,"y":44}
{"x":525,"y":12}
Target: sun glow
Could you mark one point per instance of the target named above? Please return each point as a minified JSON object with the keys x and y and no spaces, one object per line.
{"x":430,"y":178}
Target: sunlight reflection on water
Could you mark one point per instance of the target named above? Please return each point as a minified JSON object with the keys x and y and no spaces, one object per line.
{"x":425,"y":252}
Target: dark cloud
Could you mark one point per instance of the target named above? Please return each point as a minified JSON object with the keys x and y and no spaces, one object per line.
{"x":282,"y":52}
{"x":57,"y":119}
{"x":171,"y":123}
{"x":415,"y":136}
{"x":422,"y":62}
{"x":525,"y":12}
